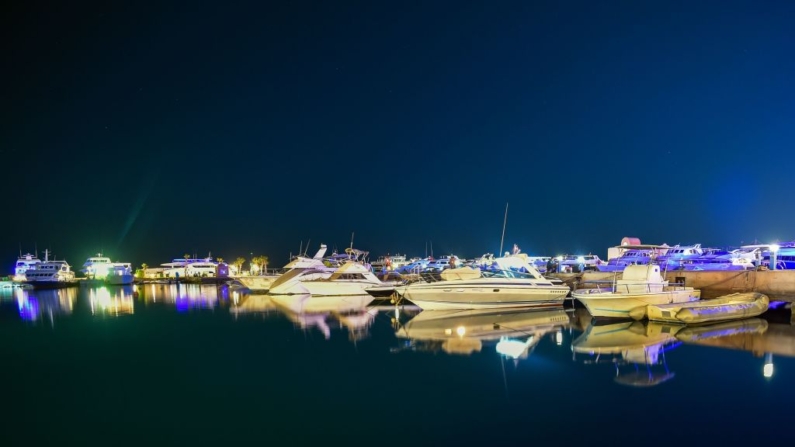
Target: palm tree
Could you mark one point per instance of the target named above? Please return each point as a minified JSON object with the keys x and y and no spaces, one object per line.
{"x":261,"y":263}
{"x":220,"y":260}
{"x":239,"y":264}
{"x":186,"y":256}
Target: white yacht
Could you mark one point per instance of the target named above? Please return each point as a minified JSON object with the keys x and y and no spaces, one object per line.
{"x":50,"y":274}
{"x":637,"y":254}
{"x":119,"y":274}
{"x":351,"y":278}
{"x":509,"y":282}
{"x":639,"y":286}
{"x":308,"y":268}
{"x":677,"y":256}
{"x":24,"y":262}
{"x":96,"y":267}
{"x":718,"y":259}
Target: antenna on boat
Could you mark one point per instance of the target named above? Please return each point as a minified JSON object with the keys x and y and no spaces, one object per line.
{"x":431,"y":248}
{"x":504,"y":221}
{"x":307,"y":246}
{"x":20,"y":249}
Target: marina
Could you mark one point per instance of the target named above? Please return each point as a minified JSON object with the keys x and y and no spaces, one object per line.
{"x":244,"y":357}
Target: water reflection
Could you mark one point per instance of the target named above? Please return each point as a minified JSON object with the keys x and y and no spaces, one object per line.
{"x":115,"y":301}
{"x":515,"y":333}
{"x":183,"y":296}
{"x":327,"y":313}
{"x":36,"y":305}
{"x":636,"y":349}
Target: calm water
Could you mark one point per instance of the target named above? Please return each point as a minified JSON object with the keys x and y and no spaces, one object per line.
{"x":165,"y":364}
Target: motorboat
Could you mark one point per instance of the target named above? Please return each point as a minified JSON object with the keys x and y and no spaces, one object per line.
{"x":306,"y":267}
{"x":728,"y":307}
{"x":639,"y":286}
{"x":509,"y":281}
{"x":631,"y":254}
{"x":674,"y":257}
{"x":351,"y":278}
{"x":719,"y":259}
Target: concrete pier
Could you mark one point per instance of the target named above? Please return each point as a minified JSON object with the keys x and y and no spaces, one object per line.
{"x":778,"y":285}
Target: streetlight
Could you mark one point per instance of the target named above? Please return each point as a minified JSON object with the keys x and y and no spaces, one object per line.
{"x":773,"y":258}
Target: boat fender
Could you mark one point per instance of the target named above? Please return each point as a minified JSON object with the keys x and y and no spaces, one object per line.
{"x":638,"y":313}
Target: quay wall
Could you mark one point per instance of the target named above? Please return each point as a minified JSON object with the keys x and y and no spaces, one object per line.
{"x":778,"y":285}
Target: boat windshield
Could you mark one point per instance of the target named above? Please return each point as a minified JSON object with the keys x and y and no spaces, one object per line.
{"x":511,"y":273}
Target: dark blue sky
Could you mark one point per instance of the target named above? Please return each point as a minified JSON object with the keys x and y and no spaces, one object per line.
{"x":152,"y":130}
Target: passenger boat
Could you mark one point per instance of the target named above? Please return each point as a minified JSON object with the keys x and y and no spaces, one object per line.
{"x":50,"y":274}
{"x":728,"y":307}
{"x":24,"y":262}
{"x":640,"y":286}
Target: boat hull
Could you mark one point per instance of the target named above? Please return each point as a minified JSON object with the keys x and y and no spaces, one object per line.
{"x":257,"y":283}
{"x":451,"y":296}
{"x":601,"y":304}
{"x":119,"y":280}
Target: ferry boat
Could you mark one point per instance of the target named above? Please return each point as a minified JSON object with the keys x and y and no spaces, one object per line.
{"x":96,"y":267}
{"x":24,"y":262}
{"x":50,"y":274}
{"x":119,"y":274}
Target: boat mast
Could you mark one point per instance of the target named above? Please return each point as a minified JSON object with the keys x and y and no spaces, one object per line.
{"x":504,"y":221}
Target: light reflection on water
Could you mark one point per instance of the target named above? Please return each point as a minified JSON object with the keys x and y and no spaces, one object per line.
{"x":241,"y":355}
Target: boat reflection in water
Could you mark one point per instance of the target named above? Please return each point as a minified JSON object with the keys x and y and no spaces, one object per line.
{"x":36,"y":305}
{"x":327,"y":314}
{"x":642,"y":345}
{"x":514,"y":333}
{"x":115,"y":301}
{"x":637,"y":350}
{"x":183,"y":296}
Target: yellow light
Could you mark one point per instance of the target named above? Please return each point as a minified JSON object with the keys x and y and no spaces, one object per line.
{"x":460,"y":330}
{"x":559,"y":338}
{"x":448,"y":332}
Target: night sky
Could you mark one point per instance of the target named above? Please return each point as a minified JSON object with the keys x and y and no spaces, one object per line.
{"x":151,"y":130}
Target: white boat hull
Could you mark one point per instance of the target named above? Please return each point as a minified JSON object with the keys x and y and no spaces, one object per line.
{"x":257,"y":283}
{"x":450,"y":296}
{"x":617,"y":305}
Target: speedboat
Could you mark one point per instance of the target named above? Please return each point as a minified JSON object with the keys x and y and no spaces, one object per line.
{"x":640,"y":286}
{"x":350,"y":279}
{"x":509,"y":281}
{"x":307,"y":268}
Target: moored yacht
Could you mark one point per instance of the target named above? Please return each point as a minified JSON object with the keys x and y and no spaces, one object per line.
{"x":24,"y":262}
{"x":119,"y":274}
{"x":96,"y":267}
{"x":303,"y":266}
{"x":351,"y":278}
{"x":50,"y":274}
{"x":509,"y":281}
{"x":639,"y":286}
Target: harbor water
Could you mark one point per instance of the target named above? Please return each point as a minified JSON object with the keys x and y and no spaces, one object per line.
{"x":173,"y":364}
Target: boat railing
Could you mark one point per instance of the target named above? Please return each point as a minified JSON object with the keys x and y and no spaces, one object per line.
{"x":605,"y":286}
